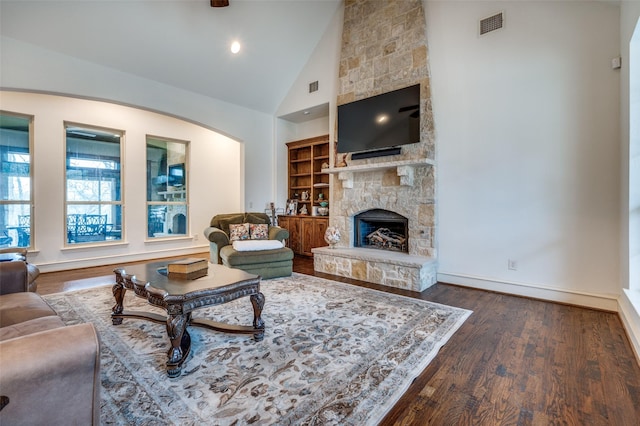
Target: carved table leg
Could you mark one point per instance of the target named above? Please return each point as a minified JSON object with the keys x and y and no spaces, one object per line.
{"x":118,"y":292}
{"x":180,"y":343}
{"x":257,"y":300}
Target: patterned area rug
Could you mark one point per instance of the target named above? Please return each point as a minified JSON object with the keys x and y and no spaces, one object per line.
{"x":333,"y":353}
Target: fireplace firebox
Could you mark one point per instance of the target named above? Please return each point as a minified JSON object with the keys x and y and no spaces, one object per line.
{"x":381,"y":229}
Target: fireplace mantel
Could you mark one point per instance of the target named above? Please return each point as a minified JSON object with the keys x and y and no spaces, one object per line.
{"x":404,"y":169}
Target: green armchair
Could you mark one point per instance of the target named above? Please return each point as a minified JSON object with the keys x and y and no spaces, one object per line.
{"x":266,"y":263}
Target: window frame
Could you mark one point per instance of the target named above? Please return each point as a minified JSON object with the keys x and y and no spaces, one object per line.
{"x":168,"y":201}
{"x":119,"y":204}
{"x":30,"y":202}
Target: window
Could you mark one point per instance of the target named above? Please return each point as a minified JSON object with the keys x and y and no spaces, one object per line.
{"x":93,"y":193}
{"x":16,"y":198}
{"x":166,"y":188}
{"x":634,"y":159}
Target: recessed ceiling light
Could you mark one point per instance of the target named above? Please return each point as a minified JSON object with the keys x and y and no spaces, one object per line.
{"x":235,"y":47}
{"x":307,"y":112}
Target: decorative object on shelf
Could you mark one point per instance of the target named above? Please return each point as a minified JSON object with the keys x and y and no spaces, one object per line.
{"x":303,"y":210}
{"x":343,"y":161}
{"x":273,"y":212}
{"x":305,"y":195}
{"x":325,"y":165}
{"x":332,"y":236}
{"x":321,"y":196}
{"x":323,"y":211}
{"x":324,"y":203}
{"x":292,"y":207}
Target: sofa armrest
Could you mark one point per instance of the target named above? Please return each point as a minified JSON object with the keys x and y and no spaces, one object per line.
{"x":52,"y":377}
{"x":20,"y":252}
{"x":14,"y":277}
{"x":277,"y":233}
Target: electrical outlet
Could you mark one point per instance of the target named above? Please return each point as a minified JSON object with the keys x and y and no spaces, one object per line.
{"x":195,"y":237}
{"x":512,"y":264}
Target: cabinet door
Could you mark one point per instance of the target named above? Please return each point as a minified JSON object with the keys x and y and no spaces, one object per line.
{"x":283,"y":222}
{"x":307,"y":225}
{"x":294,"y":234}
{"x":319,"y":228}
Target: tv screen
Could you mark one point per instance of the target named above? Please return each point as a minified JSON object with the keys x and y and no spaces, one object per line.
{"x":381,"y":121}
{"x":176,"y":174}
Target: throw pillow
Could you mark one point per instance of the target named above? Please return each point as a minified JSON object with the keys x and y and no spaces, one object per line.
{"x":238,"y":232}
{"x":224,"y":223}
{"x":259,"y":231}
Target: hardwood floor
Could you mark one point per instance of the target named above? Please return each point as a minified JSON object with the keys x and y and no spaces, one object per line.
{"x":515,"y":361}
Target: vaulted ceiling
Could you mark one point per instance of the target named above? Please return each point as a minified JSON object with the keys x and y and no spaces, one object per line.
{"x":182,"y":43}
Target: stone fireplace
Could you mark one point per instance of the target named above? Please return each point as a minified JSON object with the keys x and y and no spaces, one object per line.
{"x":384,"y":48}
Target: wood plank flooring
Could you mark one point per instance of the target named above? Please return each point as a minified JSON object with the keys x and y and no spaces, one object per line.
{"x":515,"y":361}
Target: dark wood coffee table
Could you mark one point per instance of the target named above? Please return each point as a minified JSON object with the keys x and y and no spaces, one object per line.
{"x":180,"y":296}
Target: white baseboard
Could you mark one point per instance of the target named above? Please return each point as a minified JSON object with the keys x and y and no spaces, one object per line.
{"x":629,"y":311}
{"x":88,"y":262}
{"x":591,"y":300}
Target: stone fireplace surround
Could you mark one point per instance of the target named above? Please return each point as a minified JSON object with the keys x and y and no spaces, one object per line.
{"x":383,"y":186}
{"x":384,"y":48}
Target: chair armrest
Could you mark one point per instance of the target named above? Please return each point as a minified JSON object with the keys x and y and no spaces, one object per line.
{"x":217,"y":236}
{"x":52,"y":377}
{"x":217,"y":239}
{"x":14,"y":277}
{"x":277,"y":233}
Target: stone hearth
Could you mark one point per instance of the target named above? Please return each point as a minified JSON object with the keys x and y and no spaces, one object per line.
{"x":393,"y":269}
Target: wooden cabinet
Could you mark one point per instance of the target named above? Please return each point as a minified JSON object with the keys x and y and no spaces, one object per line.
{"x":306,"y":184}
{"x":306,"y":180}
{"x":305,"y":232}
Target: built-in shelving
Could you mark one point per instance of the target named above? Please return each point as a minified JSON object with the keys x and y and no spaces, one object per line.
{"x":306,"y":177}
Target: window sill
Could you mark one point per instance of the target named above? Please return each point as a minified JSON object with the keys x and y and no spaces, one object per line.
{"x":168,"y":238}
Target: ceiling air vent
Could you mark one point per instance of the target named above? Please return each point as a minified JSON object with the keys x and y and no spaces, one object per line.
{"x":313,"y":87}
{"x":491,"y":23}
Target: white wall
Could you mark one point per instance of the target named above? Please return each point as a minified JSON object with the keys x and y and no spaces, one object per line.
{"x":528,"y":147}
{"x":24,"y":66}
{"x":322,"y":67}
{"x":215,"y":178}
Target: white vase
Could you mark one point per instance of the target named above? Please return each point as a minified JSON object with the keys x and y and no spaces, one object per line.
{"x":332,"y":236}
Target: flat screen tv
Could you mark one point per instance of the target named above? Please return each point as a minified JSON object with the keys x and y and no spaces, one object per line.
{"x":176,"y":175}
{"x":383,"y":121}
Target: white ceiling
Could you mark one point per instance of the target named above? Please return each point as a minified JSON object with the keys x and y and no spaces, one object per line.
{"x":183,"y":43}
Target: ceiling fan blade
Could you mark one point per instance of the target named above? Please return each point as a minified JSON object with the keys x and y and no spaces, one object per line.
{"x":408,"y":108}
{"x":219,"y":3}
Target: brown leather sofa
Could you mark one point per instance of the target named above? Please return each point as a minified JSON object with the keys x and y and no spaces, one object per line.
{"x":49,"y":372}
{"x":19,"y":254}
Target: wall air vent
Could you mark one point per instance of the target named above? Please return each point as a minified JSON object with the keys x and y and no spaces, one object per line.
{"x":491,"y":23}
{"x":313,"y":86}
